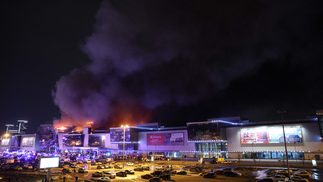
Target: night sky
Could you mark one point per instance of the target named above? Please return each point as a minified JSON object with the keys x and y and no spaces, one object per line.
{"x":127,"y":62}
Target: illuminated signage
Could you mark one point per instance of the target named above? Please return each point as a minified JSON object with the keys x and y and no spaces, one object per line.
{"x":155,"y":139}
{"x":27,"y":141}
{"x":165,"y":139}
{"x":49,"y":162}
{"x":5,"y":141}
{"x":271,"y":135}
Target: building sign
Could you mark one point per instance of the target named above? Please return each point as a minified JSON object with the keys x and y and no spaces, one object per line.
{"x":28,"y":141}
{"x":155,"y":139}
{"x":271,"y":135}
{"x":165,"y":139}
{"x":174,"y":138}
{"x":5,"y":141}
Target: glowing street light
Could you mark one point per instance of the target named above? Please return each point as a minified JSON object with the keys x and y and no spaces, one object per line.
{"x":6,"y":135}
{"x":124,"y":141}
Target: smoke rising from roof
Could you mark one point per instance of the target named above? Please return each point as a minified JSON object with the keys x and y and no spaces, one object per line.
{"x":148,"y":54}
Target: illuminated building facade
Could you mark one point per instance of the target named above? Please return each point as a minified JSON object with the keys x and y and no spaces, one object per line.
{"x":230,"y":137}
{"x":319,"y":114}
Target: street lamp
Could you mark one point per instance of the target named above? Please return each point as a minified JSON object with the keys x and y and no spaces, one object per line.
{"x":281,"y":112}
{"x":124,"y":141}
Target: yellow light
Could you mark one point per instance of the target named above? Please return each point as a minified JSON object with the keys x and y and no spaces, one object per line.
{"x":6,"y":135}
{"x":121,"y":125}
{"x":126,"y":126}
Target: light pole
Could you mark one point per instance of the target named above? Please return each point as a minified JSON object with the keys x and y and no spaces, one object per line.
{"x":124,"y":142}
{"x":281,"y":112}
{"x":295,"y":152}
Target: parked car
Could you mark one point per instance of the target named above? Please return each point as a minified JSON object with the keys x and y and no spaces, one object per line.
{"x":65,"y":170}
{"x":28,"y":166}
{"x":82,"y":170}
{"x":219,"y":171}
{"x":227,"y":169}
{"x":166,"y":175}
{"x":100,"y":167}
{"x":157,"y":173}
{"x":299,"y":179}
{"x":147,"y":168}
{"x":98,"y":174}
{"x":169,"y":170}
{"x":205,"y":172}
{"x":155,"y":179}
{"x":102,"y":180}
{"x":226,"y":162}
{"x":129,"y":172}
{"x":285,"y":172}
{"x":43,"y":170}
{"x":93,"y":163}
{"x":121,"y":174}
{"x":109,"y":174}
{"x":118,"y":166}
{"x":129,"y":164}
{"x":146,"y":176}
{"x":195,"y":169}
{"x":18,"y":168}
{"x":160,"y":168}
{"x":302,"y":174}
{"x":279,"y":178}
{"x":182,"y":173}
{"x":74,"y":166}
{"x":232,"y":173}
{"x":107,"y":166}
{"x":138,"y":169}
{"x":209,"y":175}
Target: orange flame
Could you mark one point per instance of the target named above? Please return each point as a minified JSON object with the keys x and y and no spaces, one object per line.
{"x":62,"y":128}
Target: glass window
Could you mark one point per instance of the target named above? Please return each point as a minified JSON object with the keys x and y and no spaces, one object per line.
{"x":203,"y":131}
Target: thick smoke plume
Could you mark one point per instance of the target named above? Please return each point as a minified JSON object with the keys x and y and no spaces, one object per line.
{"x":150,"y":53}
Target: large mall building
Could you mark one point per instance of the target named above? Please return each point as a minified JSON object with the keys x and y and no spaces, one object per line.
{"x":229,"y":137}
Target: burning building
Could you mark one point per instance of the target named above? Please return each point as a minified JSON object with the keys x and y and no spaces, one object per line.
{"x":47,"y":137}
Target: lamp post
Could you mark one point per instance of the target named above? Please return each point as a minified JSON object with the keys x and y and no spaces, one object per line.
{"x":124,"y":142}
{"x":295,"y":152}
{"x":281,"y":112}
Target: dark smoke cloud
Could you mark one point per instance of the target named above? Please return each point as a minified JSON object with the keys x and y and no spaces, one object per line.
{"x":151,"y":53}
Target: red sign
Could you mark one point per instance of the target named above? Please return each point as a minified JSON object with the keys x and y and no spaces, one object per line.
{"x":155,"y":139}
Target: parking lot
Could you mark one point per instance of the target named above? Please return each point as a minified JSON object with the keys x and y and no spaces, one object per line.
{"x":248,"y":174}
